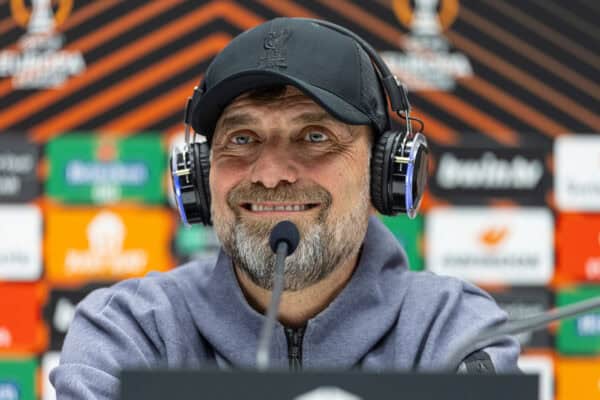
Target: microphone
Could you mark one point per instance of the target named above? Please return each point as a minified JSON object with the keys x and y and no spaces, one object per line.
{"x":283,"y":240}
{"x":518,"y":326}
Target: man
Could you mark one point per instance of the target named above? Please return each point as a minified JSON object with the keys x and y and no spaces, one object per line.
{"x":283,"y":147}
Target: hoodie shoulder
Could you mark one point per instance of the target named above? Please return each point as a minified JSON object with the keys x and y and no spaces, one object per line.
{"x":140,"y":322}
{"x":445,"y":312}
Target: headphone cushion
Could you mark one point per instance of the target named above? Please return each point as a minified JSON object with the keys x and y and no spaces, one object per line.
{"x":378,"y":163}
{"x":202,"y":164}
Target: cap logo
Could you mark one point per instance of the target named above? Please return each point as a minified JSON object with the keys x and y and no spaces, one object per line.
{"x":275,"y":55}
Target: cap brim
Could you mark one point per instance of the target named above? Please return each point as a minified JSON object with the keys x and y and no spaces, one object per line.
{"x":211,"y":104}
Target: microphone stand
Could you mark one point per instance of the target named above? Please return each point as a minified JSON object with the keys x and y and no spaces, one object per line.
{"x":283,"y":240}
{"x":513,"y":327}
{"x":262,"y":354}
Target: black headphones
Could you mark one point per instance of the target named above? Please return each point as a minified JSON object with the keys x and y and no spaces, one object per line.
{"x":398,"y":163}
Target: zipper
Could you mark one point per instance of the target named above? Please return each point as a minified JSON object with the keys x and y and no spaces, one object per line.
{"x":294,"y":340}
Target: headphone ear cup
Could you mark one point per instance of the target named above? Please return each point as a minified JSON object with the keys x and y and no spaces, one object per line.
{"x":398,"y":173}
{"x":379,"y":160}
{"x":202,"y":167}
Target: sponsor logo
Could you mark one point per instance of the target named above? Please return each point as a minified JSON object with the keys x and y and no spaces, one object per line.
{"x":90,"y":172}
{"x":20,"y":243}
{"x":328,"y":392}
{"x":588,"y":325}
{"x":16,"y":163}
{"x":489,"y":172}
{"x":577,"y":174}
{"x":5,"y":337}
{"x":106,"y":234}
{"x":578,"y":250}
{"x":492,"y":237}
{"x":9,"y":185}
{"x":94,"y":169}
{"x":38,"y":62}
{"x":427,"y":62}
{"x":275,"y":53}
{"x":21,"y":328}
{"x":9,"y":391}
{"x":579,"y":335}
{"x":592,"y":268}
{"x":18,"y":379}
{"x":106,"y":175}
{"x":18,"y":175}
{"x":468,"y":175}
{"x":106,"y":243}
{"x":491,"y":245}
{"x":63,"y":315}
{"x":106,"y":178}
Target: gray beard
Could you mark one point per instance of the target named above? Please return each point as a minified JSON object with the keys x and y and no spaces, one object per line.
{"x":319,"y":252}
{"x":324,"y":246}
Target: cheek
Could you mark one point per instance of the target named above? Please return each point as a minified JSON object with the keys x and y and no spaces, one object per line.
{"x":221,"y":181}
{"x":345,"y":181}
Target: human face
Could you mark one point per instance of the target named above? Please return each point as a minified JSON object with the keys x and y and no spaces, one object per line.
{"x":288,"y":159}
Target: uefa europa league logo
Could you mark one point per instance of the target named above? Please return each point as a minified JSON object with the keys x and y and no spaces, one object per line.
{"x":425,"y":20}
{"x":39,"y":61}
{"x":42,"y":19}
{"x":428,"y":61}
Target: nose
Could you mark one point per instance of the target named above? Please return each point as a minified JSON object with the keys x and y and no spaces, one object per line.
{"x":274,"y":164}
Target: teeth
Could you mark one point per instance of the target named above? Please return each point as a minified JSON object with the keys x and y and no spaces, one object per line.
{"x":263,"y":208}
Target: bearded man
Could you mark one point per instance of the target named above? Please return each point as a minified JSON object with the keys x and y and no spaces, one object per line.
{"x":293,"y":112}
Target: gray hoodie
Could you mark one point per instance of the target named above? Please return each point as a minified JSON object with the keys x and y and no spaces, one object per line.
{"x":386,"y":318}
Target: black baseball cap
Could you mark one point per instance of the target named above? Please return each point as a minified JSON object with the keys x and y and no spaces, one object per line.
{"x":328,"y":66}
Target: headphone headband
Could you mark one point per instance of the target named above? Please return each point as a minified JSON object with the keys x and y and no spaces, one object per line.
{"x":395,"y":90}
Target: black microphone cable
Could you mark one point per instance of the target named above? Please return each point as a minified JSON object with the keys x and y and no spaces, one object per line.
{"x":283,"y":240}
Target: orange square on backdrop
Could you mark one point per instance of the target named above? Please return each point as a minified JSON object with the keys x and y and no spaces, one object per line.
{"x":577,"y":378}
{"x":21,"y":326}
{"x":97,"y":243}
{"x":578,"y":247}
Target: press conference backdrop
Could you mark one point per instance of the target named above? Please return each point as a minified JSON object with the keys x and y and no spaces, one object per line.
{"x":91,"y":98}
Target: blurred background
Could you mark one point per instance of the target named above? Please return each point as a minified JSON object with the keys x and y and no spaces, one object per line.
{"x":92,"y":96}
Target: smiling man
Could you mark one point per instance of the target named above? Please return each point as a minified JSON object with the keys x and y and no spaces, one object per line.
{"x":276,"y":155}
{"x":295,"y":117}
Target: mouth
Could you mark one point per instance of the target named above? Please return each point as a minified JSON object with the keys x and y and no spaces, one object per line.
{"x":270,"y":208}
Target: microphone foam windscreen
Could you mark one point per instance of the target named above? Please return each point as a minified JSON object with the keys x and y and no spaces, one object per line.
{"x":285,"y":231}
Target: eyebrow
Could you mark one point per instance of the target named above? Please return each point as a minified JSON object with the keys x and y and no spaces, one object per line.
{"x":316,"y":117}
{"x":234,"y":120}
{"x":312,"y":117}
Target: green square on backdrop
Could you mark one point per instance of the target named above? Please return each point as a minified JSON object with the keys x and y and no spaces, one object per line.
{"x":409,"y":233}
{"x":17,"y":379}
{"x":87,"y":168}
{"x":579,"y":335}
{"x":195,"y":241}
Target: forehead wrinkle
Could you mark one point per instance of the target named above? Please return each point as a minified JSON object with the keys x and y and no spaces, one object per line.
{"x":238,"y":119}
{"x":310,"y":117}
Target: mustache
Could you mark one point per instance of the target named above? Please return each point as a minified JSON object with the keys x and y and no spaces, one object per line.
{"x":284,"y":192}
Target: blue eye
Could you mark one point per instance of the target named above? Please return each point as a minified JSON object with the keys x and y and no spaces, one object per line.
{"x":242,"y":139}
{"x":316,"y":137}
